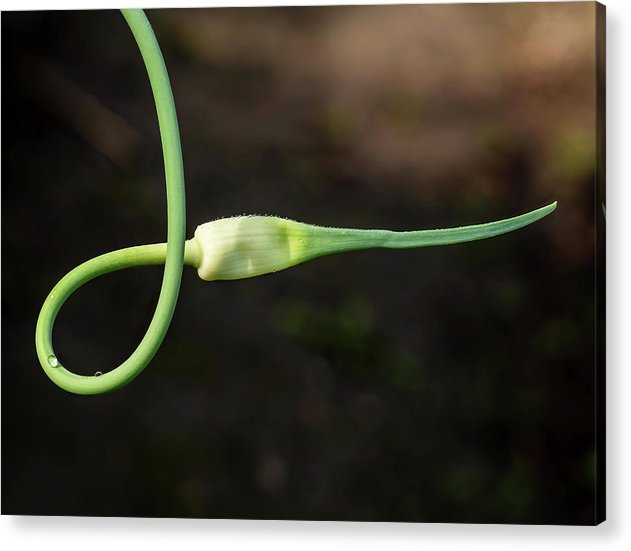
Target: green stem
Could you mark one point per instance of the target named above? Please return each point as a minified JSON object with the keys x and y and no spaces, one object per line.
{"x":134,"y":256}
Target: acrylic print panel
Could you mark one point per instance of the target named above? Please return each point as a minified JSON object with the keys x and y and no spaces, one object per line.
{"x":459,"y":383}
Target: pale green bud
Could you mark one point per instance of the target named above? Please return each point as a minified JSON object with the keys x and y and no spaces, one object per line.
{"x":248,"y":246}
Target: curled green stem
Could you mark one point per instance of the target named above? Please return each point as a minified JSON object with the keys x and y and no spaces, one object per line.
{"x":172,"y":255}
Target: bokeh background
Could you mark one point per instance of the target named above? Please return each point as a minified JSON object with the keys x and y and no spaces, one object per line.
{"x":451,"y":384}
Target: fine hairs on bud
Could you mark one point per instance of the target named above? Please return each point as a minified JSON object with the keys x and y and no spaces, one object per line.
{"x":248,"y":246}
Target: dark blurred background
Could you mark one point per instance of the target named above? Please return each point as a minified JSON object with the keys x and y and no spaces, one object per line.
{"x":450,"y":384}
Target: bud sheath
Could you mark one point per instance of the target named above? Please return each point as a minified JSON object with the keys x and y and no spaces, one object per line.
{"x":248,"y":246}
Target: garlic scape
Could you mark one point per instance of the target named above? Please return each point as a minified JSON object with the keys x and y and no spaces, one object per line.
{"x":230,"y":248}
{"x":249,"y":246}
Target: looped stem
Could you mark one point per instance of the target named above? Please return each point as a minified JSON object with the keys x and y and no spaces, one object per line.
{"x":173,"y":251}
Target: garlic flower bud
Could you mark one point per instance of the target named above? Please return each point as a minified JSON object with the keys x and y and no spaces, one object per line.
{"x":248,"y":246}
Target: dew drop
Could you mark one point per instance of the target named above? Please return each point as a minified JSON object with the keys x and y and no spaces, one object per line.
{"x":52,"y":361}
{"x":98,"y":374}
